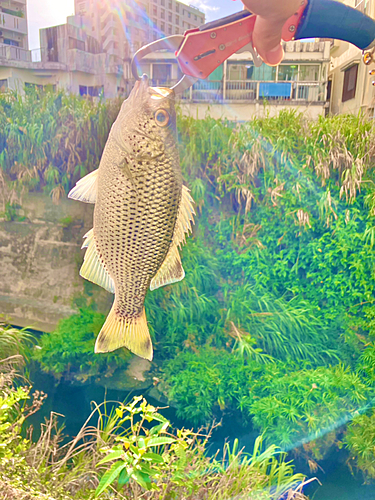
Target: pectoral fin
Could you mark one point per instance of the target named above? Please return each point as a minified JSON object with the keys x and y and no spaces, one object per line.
{"x":86,"y":188}
{"x":92,"y":268}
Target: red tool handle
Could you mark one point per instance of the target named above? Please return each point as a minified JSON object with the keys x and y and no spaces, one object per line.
{"x":203,"y":51}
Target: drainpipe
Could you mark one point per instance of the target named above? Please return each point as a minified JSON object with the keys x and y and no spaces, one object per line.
{"x":225,"y":80}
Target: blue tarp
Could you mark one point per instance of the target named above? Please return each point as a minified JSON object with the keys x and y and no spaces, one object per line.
{"x":275,"y":89}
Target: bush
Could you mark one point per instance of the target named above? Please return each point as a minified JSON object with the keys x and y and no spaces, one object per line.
{"x":69,"y":350}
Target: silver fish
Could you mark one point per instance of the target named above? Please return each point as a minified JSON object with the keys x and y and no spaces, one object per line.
{"x":142,"y":215}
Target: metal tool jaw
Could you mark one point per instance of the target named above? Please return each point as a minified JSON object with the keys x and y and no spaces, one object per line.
{"x":200,"y":51}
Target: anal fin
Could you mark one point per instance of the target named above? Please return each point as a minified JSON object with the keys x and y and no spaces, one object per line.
{"x":131,"y":333}
{"x":171,"y":271}
{"x":86,"y":188}
{"x":92,"y":268}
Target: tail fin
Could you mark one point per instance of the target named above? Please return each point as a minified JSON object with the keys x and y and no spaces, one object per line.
{"x":131,"y":333}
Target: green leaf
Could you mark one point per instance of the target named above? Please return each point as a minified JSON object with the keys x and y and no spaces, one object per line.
{"x":161,"y":440}
{"x":124,"y":477}
{"x":153,"y":457}
{"x":142,"y":479}
{"x":112,"y":456}
{"x":109,"y":477}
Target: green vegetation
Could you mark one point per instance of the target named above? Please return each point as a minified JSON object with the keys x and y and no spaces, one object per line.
{"x":123,"y":455}
{"x":275,"y":319}
{"x":69,"y":351}
{"x":48,"y":141}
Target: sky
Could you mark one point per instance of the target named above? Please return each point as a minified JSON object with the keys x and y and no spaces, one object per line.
{"x":45,"y":13}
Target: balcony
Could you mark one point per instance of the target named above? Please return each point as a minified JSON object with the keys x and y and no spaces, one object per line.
{"x":78,"y":60}
{"x":11,"y":53}
{"x":252,"y":91}
{"x":13,"y":23}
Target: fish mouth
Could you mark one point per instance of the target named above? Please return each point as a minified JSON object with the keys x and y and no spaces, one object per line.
{"x":156,"y":93}
{"x":160,"y":92}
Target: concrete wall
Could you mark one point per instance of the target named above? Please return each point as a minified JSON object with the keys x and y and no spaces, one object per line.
{"x":40,"y":260}
{"x":245,"y":111}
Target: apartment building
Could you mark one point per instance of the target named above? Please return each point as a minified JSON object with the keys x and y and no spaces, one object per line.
{"x":13,"y":24}
{"x":350,"y":80}
{"x":68,"y":59}
{"x":170,"y":17}
{"x":123,"y":27}
{"x":238,"y":90}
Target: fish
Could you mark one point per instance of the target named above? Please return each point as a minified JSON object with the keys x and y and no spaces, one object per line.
{"x":143,"y":213}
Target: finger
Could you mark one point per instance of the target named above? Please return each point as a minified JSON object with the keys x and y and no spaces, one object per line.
{"x":267,"y":40}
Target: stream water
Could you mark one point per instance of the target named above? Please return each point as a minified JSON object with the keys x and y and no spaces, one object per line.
{"x":74,"y":402}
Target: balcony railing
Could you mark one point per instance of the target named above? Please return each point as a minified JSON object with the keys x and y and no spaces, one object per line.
{"x":12,"y":53}
{"x":13,"y":23}
{"x":242,"y":91}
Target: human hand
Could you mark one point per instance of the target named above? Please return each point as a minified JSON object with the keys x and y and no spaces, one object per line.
{"x":271,"y":17}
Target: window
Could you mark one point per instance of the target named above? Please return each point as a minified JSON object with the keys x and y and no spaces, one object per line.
{"x":162,"y":14}
{"x":155,"y":10}
{"x":169,"y":29}
{"x":288,"y":73}
{"x":177,"y":8}
{"x":177,"y":20}
{"x":309,"y":73}
{"x":170,"y":17}
{"x":162,"y":73}
{"x":162,"y":27}
{"x":350,"y":83}
{"x":176,"y":30}
{"x":162,"y":2}
{"x":8,"y":41}
{"x":247,"y":71}
{"x":170,"y":5}
{"x":189,"y":14}
{"x":195,"y":18}
{"x":3,"y":85}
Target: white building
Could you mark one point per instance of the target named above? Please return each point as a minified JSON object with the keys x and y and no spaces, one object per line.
{"x":123,"y":27}
{"x":170,"y":17}
{"x":13,"y":24}
{"x":351,"y":83}
{"x":69,"y":59}
{"x":239,"y":90}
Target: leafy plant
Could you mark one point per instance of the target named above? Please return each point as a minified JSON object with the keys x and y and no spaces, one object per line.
{"x":69,"y":350}
{"x":154,"y":459}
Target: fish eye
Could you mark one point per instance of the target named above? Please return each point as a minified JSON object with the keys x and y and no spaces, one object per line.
{"x":162,"y":117}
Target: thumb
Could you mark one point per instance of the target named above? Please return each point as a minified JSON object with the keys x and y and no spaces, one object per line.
{"x":267,"y":40}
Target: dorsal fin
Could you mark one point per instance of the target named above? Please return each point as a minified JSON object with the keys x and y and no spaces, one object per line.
{"x":171,"y":271}
{"x":86,"y":188}
{"x":185,"y":218}
{"x":92,"y":268}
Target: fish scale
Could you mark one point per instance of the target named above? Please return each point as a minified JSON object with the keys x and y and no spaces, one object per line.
{"x":142,"y":213}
